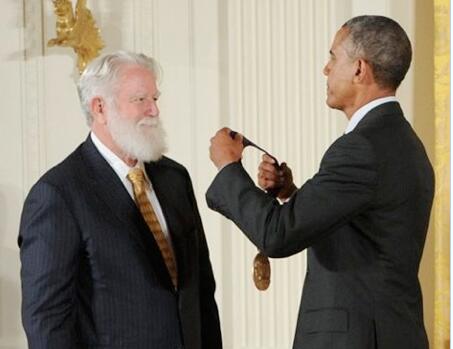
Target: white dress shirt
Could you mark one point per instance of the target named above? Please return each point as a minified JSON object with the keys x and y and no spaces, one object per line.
{"x":361,"y":112}
{"x":122,"y":169}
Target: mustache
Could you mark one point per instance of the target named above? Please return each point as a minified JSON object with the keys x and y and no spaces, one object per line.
{"x":151,"y":121}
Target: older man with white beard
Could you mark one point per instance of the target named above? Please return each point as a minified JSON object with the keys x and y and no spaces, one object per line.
{"x":112,"y":247}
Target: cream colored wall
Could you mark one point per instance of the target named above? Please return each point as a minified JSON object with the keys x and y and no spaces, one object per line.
{"x":250,"y":64}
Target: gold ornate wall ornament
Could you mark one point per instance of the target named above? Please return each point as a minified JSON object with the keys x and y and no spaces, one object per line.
{"x":78,"y":31}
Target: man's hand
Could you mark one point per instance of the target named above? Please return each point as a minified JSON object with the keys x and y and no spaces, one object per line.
{"x":280,"y":181}
{"x":224,"y":149}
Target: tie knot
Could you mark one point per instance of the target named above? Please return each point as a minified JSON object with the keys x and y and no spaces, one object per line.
{"x":136,"y":177}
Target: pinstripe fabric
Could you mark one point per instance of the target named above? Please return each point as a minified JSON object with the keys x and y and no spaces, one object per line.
{"x":92,"y":274}
{"x":137,"y":178}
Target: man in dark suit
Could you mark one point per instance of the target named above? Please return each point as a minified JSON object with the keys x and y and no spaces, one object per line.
{"x":363,"y":217}
{"x":106,"y":262}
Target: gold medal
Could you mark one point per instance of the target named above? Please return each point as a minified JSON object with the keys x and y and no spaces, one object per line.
{"x":261,"y":272}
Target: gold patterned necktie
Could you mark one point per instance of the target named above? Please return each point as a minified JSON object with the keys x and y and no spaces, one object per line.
{"x":137,"y":178}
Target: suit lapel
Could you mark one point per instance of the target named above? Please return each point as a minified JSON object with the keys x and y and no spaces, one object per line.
{"x":109,"y":188}
{"x":168,"y":199}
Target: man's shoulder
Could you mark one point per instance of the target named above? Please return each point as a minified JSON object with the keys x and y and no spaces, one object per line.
{"x":383,"y":118}
{"x":352,"y":148}
{"x":170,"y":164}
{"x":351,"y":142}
{"x":67,"y":170}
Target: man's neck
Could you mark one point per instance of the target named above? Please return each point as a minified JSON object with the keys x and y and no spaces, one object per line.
{"x":365,"y":98}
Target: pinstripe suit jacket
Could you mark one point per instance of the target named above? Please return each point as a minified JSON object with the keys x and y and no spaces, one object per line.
{"x":92,"y":274}
{"x":363,"y":218}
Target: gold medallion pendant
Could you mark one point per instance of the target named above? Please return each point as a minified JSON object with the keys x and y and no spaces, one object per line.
{"x":261,"y":272}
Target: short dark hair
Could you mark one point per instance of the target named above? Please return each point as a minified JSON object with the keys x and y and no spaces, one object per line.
{"x":383,"y":44}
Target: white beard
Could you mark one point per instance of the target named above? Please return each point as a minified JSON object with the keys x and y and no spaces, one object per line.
{"x":144,"y":140}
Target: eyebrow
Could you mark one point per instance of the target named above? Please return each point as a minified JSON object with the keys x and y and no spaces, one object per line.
{"x":138,"y":95}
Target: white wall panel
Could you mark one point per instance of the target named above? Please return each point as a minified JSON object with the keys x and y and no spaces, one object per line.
{"x":12,"y":169}
{"x":276,"y":93}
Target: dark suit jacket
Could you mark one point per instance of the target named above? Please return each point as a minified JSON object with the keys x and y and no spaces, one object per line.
{"x":363,"y":219}
{"x":92,"y":273}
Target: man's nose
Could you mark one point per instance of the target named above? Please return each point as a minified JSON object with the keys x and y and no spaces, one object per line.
{"x":153,"y":109}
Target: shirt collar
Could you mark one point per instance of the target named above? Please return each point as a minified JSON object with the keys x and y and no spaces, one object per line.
{"x":361,"y":112}
{"x":118,"y":165}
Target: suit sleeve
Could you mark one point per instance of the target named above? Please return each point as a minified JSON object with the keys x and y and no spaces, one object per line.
{"x":343,"y":187}
{"x":210,"y":323}
{"x":49,"y":243}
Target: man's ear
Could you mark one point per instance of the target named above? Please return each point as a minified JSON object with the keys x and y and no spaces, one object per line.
{"x":363,"y":71}
{"x":98,"y":109}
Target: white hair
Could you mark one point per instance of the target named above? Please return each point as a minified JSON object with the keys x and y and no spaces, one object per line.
{"x":99,"y":79}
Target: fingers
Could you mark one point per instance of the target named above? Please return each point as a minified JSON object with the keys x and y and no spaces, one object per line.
{"x":220,"y":135}
{"x":266,"y":158}
{"x":266,"y":184}
{"x":224,"y":130}
{"x":238,"y":138}
{"x":267,"y":167}
{"x":224,"y":149}
{"x":224,"y":135}
{"x":269,"y":176}
{"x":287,"y":173}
